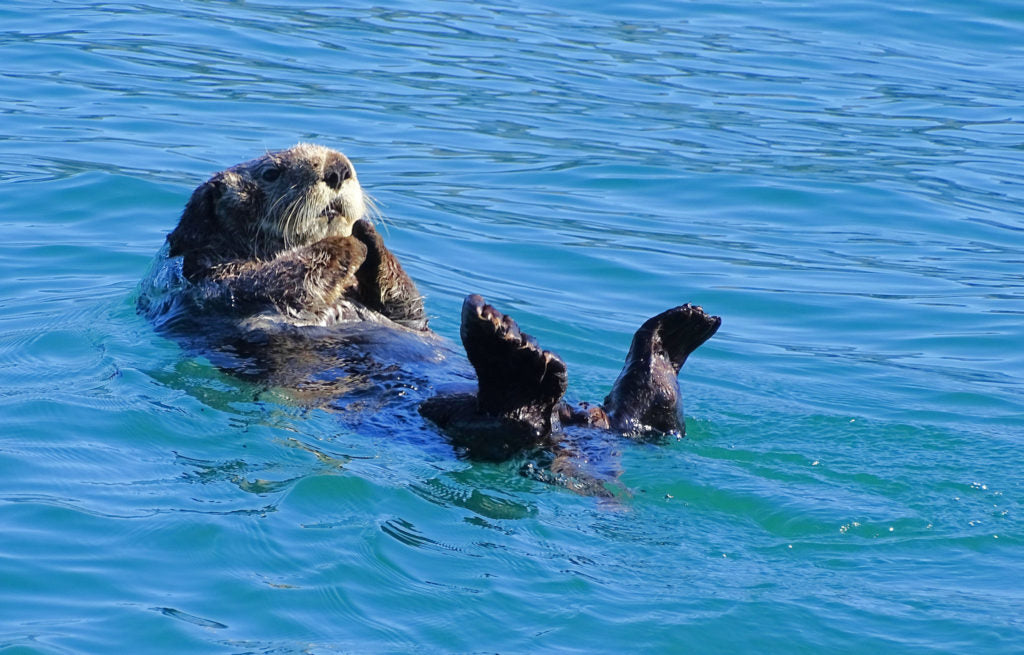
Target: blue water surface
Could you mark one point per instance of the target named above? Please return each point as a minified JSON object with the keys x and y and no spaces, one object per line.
{"x":841,"y":182}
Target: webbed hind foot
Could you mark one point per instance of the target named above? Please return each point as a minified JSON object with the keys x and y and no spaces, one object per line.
{"x":518,"y":386}
{"x":645,"y":397}
{"x":515,"y":376}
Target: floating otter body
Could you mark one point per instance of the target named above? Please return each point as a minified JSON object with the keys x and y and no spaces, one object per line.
{"x":274,"y":270}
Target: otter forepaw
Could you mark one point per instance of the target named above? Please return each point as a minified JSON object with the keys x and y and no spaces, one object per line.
{"x":367,"y":233}
{"x":343,"y":255}
{"x":383,"y":285}
{"x":331,"y":266}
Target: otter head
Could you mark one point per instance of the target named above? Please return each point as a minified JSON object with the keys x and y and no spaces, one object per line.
{"x":257,"y":209}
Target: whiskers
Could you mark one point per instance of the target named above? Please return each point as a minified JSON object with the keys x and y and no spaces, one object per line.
{"x":268,"y":221}
{"x":373,"y":212}
{"x":300,"y":206}
{"x":293,"y":216}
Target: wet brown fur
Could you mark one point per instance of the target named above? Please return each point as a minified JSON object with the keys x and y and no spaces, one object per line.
{"x":284,"y":236}
{"x":286,"y":232}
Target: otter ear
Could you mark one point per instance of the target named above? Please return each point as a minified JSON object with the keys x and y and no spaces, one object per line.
{"x":198,"y":218}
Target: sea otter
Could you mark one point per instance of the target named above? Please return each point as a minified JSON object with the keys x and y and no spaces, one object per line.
{"x":276,"y":273}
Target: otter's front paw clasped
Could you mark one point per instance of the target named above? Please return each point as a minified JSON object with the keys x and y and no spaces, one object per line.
{"x":338,"y":257}
{"x":321,"y":273}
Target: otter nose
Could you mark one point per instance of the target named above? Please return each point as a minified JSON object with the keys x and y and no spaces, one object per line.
{"x":336,"y":172}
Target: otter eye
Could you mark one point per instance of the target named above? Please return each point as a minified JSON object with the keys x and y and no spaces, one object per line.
{"x":271,"y":174}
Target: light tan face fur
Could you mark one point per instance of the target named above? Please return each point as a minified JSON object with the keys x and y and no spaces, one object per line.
{"x":309,"y":192}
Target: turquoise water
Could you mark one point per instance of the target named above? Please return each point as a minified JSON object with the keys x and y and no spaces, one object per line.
{"x":841,"y":182}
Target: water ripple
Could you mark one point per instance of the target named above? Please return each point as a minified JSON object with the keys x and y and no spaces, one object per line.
{"x":841,"y":183}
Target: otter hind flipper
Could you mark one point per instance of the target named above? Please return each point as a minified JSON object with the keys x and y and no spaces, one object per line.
{"x":515,"y":376}
{"x":645,"y":396}
{"x":681,"y":330}
{"x":519,"y":386}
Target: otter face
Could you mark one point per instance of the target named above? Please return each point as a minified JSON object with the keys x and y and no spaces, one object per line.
{"x":255,"y":210}
{"x":304,"y":194}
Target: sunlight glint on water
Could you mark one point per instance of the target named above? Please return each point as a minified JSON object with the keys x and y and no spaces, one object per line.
{"x":841,"y":183}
